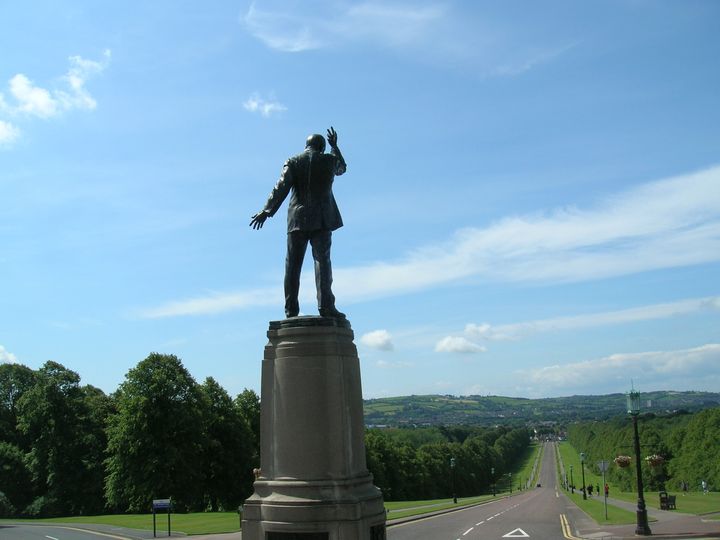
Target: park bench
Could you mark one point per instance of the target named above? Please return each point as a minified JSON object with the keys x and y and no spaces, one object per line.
{"x":667,"y":502}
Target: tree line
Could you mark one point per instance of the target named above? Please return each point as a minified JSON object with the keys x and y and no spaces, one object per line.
{"x":412,"y":464}
{"x":687,"y":444}
{"x":70,"y":449}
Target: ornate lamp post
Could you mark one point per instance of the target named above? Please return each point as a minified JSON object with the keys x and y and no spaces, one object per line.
{"x":452,"y":468}
{"x":572,"y":482}
{"x":582,"y":465}
{"x":633,"y":408}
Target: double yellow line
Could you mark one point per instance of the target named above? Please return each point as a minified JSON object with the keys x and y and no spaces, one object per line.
{"x":567,"y":532}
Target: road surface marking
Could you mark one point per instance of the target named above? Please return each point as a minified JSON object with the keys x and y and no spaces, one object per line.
{"x":89,"y":531}
{"x":517,"y":533}
{"x":490,"y":518}
{"x":567,"y":532}
{"x":468,"y":531}
{"x":415,"y":522}
{"x":50,"y":537}
{"x":478,"y":524}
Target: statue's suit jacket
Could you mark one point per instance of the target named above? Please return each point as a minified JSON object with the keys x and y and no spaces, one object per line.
{"x":310,"y":177}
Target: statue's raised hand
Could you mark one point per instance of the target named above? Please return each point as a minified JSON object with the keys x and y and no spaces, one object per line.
{"x":332,"y":137}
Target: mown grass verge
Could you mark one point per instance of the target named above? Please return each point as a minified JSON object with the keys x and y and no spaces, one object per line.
{"x":403,"y":509}
{"x":593,"y":506}
{"x":692,"y":503}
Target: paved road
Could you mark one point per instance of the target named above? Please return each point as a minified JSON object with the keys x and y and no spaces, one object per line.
{"x":50,"y":532}
{"x":532,"y":514}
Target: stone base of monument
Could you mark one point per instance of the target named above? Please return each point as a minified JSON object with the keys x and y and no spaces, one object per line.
{"x":313,"y":483}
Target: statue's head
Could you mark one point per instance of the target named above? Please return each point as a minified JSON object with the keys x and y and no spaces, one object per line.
{"x":316,"y":142}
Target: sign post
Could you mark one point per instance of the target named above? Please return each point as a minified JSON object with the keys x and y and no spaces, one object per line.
{"x":603,"y":466}
{"x":160,"y":504}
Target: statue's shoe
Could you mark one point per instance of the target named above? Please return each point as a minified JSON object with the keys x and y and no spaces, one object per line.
{"x":332,"y":312}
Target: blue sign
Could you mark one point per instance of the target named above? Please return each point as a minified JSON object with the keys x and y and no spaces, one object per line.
{"x":161,"y":504}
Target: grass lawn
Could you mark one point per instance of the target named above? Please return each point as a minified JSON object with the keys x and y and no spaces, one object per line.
{"x":401,"y":509}
{"x":524,"y":469}
{"x":593,"y":506}
{"x":692,"y":503}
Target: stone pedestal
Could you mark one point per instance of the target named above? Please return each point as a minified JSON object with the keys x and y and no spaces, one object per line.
{"x":314,"y":482}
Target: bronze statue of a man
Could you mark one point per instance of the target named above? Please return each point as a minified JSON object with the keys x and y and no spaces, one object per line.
{"x":312,"y":216}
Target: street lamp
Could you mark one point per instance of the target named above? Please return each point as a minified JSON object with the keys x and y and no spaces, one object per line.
{"x":582,"y":465}
{"x":492,"y":474}
{"x":452,"y":468}
{"x":633,"y":408}
{"x":572,"y":482}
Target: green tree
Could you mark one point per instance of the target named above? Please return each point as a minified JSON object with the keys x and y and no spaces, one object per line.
{"x":248,"y":404}
{"x":15,"y":380}
{"x":156,"y":437}
{"x":698,"y":457}
{"x":15,"y":477}
{"x":229,"y":450}
{"x":54,"y":415}
{"x":98,"y":406}
{"x":434,"y":462}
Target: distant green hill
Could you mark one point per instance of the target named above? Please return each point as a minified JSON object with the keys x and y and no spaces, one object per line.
{"x":492,"y":410}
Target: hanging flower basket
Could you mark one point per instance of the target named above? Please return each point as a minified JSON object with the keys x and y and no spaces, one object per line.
{"x":623,"y":461}
{"x":655,"y":460}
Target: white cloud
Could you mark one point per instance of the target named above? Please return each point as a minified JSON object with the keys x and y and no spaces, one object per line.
{"x":214,"y":303}
{"x":307,"y":25}
{"x":80,"y":71}
{"x":531,"y":60}
{"x":263,"y":106}
{"x":6,"y":356}
{"x":644,"y":313}
{"x":430,"y":31}
{"x":384,"y":364}
{"x":8,"y":133}
{"x":32,"y":100}
{"x":458,"y":344}
{"x":378,"y":339}
{"x":654,"y":366}
{"x":663,"y":224}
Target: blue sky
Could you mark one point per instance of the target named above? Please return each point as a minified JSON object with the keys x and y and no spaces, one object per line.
{"x":531,"y":208}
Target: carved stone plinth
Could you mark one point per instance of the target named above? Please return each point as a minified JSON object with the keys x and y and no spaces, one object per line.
{"x":314,"y":482}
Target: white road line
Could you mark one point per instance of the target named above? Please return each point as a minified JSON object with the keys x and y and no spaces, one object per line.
{"x":468,"y":531}
{"x":478,"y":524}
{"x":50,"y":537}
{"x":490,"y":518}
